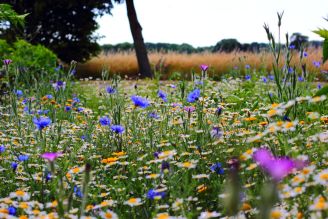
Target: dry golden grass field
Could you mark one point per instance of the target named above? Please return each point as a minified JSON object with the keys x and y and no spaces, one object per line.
{"x":125,"y":63}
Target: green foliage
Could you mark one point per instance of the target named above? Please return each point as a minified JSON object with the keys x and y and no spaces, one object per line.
{"x":322,"y":91}
{"x":65,"y":27}
{"x":325,"y":50}
{"x":227,"y":45}
{"x":4,"y":49}
{"x":324,"y":34}
{"x":30,"y":56}
{"x":8,"y":14}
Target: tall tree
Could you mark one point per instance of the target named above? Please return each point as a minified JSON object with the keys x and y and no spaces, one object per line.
{"x":139,"y":44}
{"x":66,"y":27}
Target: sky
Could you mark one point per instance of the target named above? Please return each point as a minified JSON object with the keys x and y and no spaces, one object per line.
{"x":206,"y":22}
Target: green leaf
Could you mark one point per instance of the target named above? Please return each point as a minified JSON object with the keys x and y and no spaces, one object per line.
{"x":322,"y":32}
{"x":325,"y":50}
{"x":322,"y":91}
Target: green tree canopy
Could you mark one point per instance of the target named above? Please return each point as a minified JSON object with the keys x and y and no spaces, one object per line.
{"x":66,"y":27}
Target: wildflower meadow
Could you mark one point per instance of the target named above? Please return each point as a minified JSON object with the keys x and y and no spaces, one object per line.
{"x":250,"y":145}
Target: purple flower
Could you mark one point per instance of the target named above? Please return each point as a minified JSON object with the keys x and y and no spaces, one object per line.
{"x":110,"y":90}
{"x":247,"y":66}
{"x":12,"y":210}
{"x":189,"y":109}
{"x":59,"y":85}
{"x":305,"y":54}
{"x":161,"y":94}
{"x":218,"y":111}
{"x":140,"y":101}
{"x":300,"y":79}
{"x":277,"y":167}
{"x":216,"y":132}
{"x":153,"y":115}
{"x":193,"y":96}
{"x":204,"y":67}
{"x":41,"y":122}
{"x":118,"y":129}
{"x":7,"y":61}
{"x":271,"y":77}
{"x":104,"y":121}
{"x":51,"y":156}
{"x":317,"y":64}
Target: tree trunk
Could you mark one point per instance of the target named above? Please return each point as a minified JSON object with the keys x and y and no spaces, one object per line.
{"x":139,"y":45}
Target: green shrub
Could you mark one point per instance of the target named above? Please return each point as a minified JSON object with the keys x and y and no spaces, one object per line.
{"x":5,"y":49}
{"x":33,"y":57}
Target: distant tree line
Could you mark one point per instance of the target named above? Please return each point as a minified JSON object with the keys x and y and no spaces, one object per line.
{"x":225,"y":45}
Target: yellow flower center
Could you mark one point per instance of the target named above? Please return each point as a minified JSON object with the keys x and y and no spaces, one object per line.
{"x":276,"y":214}
{"x":108,"y":215}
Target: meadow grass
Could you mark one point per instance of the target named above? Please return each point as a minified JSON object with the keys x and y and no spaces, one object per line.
{"x":125,"y":63}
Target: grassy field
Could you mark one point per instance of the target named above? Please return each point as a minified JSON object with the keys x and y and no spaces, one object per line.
{"x":168,"y":64}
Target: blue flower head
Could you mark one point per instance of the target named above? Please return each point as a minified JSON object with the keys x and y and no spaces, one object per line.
{"x":140,"y":101}
{"x":247,"y":66}
{"x":12,"y":210}
{"x":41,"y":122}
{"x":78,"y":192}
{"x":104,"y":121}
{"x":264,"y":79}
{"x":68,"y":108}
{"x":319,"y":86}
{"x":247,"y":77}
{"x":152,"y":194}
{"x":19,"y":93}
{"x":117,"y":129}
{"x":153,"y":115}
{"x":271,"y":77}
{"x":23,"y":157}
{"x":14,"y":166}
{"x":193,"y":96}
{"x":2,"y":148}
{"x":161,"y":94}
{"x":110,"y":90}
{"x":217,"y":167}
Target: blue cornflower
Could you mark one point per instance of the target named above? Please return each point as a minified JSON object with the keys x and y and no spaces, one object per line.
{"x":49,"y":96}
{"x":73,"y":72}
{"x":218,"y":111}
{"x":12,"y":210}
{"x":193,"y":96}
{"x":2,"y":148}
{"x":247,"y":66}
{"x":117,"y":129}
{"x":305,"y":54}
{"x":14,"y":166}
{"x":104,"y":121}
{"x":292,"y":46}
{"x":217,"y":167}
{"x":68,"y":108}
{"x":264,"y":79}
{"x":153,"y":194}
{"x":76,"y":100}
{"x":23,"y":157}
{"x":161,"y":94}
{"x":41,"y":122}
{"x":48,"y":176}
{"x":300,"y":79}
{"x":140,"y":101}
{"x":216,"y":132}
{"x":110,"y":90}
{"x":59,"y":85}
{"x":78,"y":192}
{"x":153,"y":115}
{"x":58,"y":68}
{"x":19,"y":93}
{"x":247,"y":77}
{"x":271,"y":77}
{"x":319,"y":86}
{"x":80,"y":109}
{"x":316,"y":64}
